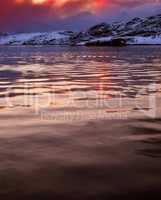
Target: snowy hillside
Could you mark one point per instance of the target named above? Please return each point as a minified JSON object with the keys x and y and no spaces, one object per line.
{"x":52,"y":38}
{"x":138,"y":31}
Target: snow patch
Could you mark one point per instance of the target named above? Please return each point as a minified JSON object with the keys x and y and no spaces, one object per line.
{"x":35,"y":38}
{"x":138,"y":40}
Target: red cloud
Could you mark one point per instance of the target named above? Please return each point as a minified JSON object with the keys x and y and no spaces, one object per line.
{"x":13,"y":12}
{"x":25,"y":12}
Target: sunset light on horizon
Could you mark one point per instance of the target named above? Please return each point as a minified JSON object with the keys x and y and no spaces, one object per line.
{"x":55,"y":14}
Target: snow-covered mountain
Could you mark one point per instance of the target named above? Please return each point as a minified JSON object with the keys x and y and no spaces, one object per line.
{"x":135,"y":31}
{"x":51,"y":38}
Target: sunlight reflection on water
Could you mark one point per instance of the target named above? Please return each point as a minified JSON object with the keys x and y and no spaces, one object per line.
{"x":80,"y":123}
{"x":102,"y":79}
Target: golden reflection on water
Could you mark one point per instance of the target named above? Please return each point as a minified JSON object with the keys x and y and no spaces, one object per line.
{"x":75,"y":125}
{"x":107,"y":81}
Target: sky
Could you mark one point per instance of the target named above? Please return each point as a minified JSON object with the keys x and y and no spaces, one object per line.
{"x":47,"y":15}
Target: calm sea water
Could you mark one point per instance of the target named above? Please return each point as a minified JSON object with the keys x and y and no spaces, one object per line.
{"x":80,"y":123}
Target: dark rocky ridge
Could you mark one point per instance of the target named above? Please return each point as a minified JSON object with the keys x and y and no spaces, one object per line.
{"x":143,"y":27}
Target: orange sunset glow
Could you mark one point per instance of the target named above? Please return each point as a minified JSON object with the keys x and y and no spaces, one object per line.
{"x":89,"y":4}
{"x":23,"y":15}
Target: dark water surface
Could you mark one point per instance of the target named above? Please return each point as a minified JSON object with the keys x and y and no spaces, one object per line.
{"x":80,"y":123}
